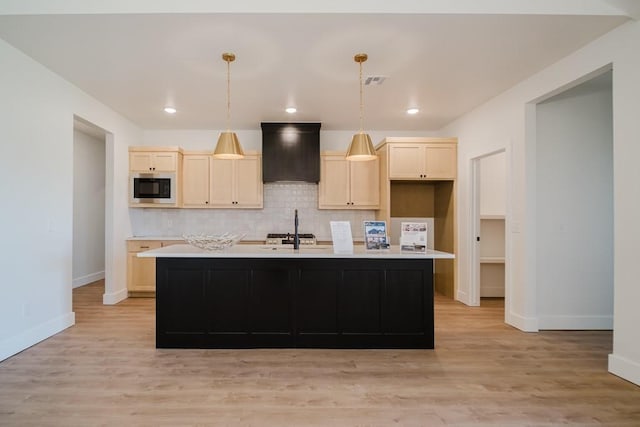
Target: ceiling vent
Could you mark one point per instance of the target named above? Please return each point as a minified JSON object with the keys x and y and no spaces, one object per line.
{"x":374,"y":80}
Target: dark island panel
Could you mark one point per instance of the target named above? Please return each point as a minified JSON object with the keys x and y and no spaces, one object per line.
{"x":306,"y":303}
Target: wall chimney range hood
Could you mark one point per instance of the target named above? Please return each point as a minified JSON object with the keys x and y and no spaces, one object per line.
{"x":290,"y":152}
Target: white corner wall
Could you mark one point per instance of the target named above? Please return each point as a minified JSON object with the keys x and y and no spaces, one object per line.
{"x":88,"y":208}
{"x":508,"y":120}
{"x":574,"y":208}
{"x":36,"y":130}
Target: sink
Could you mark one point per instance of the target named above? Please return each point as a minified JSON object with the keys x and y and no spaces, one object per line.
{"x":276,"y":248}
{"x":290,"y":249}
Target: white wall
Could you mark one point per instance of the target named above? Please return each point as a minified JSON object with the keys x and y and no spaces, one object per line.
{"x":493,"y":185}
{"x":252,"y":139}
{"x":574,"y":208}
{"x":508,"y":121}
{"x":88,"y":208}
{"x":36,"y":129}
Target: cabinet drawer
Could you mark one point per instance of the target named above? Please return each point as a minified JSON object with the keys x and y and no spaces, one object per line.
{"x":143,"y":245}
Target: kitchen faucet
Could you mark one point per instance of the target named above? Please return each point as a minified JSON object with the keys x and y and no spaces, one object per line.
{"x":296,"y":237}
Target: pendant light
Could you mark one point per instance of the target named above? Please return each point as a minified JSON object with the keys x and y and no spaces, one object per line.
{"x":228,"y":146}
{"x":361,"y":147}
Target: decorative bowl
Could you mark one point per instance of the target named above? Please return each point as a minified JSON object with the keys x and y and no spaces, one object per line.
{"x":213,"y":242}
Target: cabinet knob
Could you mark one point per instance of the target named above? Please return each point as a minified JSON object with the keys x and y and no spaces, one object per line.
{"x":206,"y":203}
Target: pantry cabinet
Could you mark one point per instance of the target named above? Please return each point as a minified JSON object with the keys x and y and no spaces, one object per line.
{"x":417,"y":180}
{"x":416,"y":161}
{"x":347,"y":184}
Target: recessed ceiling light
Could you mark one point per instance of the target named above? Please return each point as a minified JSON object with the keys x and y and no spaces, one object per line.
{"x":170,"y":110}
{"x":291,"y":110}
{"x":413,"y":111}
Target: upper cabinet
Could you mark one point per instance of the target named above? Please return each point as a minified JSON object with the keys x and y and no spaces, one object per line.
{"x":236,"y":183}
{"x":195,"y":180}
{"x":154,"y":177}
{"x":221,"y":183}
{"x":422,"y":161}
{"x":153,"y":159}
{"x":348,"y":185}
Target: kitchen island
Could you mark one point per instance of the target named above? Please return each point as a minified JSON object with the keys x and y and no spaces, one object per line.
{"x":260,"y":296}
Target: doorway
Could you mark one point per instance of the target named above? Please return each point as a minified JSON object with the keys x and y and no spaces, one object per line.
{"x":489,"y":206}
{"x":89,"y":163}
{"x":574,"y":206}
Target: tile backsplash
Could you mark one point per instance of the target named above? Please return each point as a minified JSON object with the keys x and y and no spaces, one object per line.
{"x":280,"y":201}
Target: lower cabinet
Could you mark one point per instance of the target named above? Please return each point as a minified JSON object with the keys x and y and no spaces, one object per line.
{"x":312,"y":303}
{"x":141,"y":272}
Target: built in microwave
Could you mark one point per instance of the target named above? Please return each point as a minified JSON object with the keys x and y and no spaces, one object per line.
{"x":153,"y":188}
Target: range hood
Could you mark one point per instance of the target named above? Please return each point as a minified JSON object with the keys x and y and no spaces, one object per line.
{"x":290,"y":152}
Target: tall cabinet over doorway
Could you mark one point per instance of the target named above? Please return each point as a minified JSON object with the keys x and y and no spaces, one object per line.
{"x":418,"y":180}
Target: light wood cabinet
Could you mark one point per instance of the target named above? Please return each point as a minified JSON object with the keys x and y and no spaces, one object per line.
{"x":141,"y":272}
{"x":348,"y":185}
{"x":417,"y":180}
{"x":236,"y":183}
{"x":152,"y":161}
{"x":195,"y":180}
{"x":216,"y":183}
{"x":415,"y":161}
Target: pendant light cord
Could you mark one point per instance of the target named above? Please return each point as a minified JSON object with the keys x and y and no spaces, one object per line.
{"x":361,"y":102}
{"x":228,"y":95}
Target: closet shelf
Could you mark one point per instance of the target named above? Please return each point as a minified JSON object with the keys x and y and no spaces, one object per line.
{"x":491,"y":260}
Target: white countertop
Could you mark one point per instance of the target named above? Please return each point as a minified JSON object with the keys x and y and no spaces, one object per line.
{"x":169,"y":238}
{"x":274,"y":251}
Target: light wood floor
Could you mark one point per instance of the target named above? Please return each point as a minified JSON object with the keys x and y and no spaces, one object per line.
{"x":106,"y":371}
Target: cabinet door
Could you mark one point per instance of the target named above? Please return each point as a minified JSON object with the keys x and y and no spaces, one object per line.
{"x":365,"y":184}
{"x":142,"y":273}
{"x":140,"y":162}
{"x":406,"y":161}
{"x":195,"y":180}
{"x":148,"y":161}
{"x":440,"y":162}
{"x":333,"y":190}
{"x":221,"y":183}
{"x":165,"y":162}
{"x":248,"y":182}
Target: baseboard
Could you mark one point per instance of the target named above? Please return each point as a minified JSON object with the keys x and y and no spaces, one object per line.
{"x":114,"y":297}
{"x":525,"y":324}
{"x":463,"y":297}
{"x":575,"y":322}
{"x":625,"y":368}
{"x":32,"y":336}
{"x":89,"y":278}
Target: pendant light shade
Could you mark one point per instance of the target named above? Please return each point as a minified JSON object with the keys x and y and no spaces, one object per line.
{"x":228,"y":146}
{"x":361,"y":147}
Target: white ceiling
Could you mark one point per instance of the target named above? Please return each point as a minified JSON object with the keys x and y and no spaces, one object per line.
{"x":445,"y":64}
